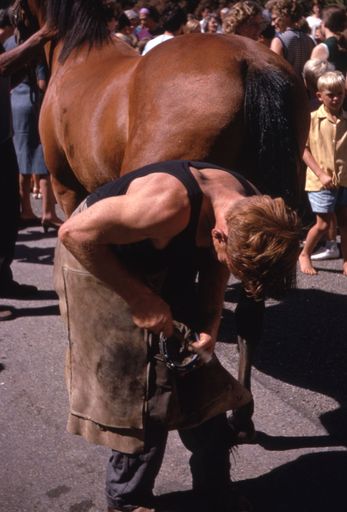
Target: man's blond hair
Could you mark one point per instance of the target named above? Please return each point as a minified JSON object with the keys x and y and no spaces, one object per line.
{"x":263,"y":245}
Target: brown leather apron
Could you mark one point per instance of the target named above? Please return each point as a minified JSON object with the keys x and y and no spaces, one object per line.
{"x":115,"y":377}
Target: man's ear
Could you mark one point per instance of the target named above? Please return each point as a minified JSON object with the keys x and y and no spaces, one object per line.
{"x":219,"y":236}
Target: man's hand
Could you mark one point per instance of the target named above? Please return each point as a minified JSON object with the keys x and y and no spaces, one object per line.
{"x":204,"y":346}
{"x":152,"y":313}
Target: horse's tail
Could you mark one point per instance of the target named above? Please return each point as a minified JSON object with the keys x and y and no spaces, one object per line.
{"x":272,"y":132}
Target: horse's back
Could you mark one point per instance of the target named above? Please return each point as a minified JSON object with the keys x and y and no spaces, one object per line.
{"x":188,"y":95}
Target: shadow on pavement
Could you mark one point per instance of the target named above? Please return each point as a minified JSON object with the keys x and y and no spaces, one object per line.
{"x":312,"y":483}
{"x":42,"y":255}
{"x":40,"y":311}
{"x":304,"y":344}
{"x":282,"y":443}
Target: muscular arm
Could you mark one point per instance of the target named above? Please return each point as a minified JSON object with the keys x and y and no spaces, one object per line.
{"x":146,"y":212}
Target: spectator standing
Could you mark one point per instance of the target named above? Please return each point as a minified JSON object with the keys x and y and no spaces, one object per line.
{"x":213,"y":24}
{"x":173,"y":20}
{"x":26,"y":98}
{"x":334,"y":22}
{"x":246,"y":19}
{"x":192,"y":26}
{"x":314,"y":20}
{"x":10,"y":63}
{"x":124,"y":30}
{"x":290,"y":42}
{"x":149,"y":24}
{"x":326,"y":176}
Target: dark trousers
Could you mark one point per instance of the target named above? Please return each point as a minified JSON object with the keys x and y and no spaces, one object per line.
{"x":9,"y":209}
{"x":130,"y":478}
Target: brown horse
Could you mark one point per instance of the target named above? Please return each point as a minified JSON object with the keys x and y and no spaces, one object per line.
{"x":221,"y":99}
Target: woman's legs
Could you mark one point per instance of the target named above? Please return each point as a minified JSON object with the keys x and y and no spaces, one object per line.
{"x":24,"y":192}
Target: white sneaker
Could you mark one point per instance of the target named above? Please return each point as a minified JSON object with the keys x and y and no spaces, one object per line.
{"x":329,"y":252}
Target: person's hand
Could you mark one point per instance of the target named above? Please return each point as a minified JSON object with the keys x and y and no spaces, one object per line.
{"x":47,"y":32}
{"x":326,"y":181}
{"x":204,"y":346}
{"x":152,"y":313}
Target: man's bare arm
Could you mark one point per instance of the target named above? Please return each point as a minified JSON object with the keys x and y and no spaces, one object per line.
{"x":213,"y":279}
{"x":14,"y":60}
{"x":125,"y":220}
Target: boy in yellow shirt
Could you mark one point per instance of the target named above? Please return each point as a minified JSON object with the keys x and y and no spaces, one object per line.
{"x":326,"y":159}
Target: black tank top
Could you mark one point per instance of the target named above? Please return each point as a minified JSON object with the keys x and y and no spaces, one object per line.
{"x":178,"y":259}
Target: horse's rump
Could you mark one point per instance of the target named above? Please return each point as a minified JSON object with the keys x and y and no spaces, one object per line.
{"x":221,"y":99}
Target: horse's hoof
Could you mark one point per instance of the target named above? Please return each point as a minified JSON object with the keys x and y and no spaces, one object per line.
{"x":242,"y":434}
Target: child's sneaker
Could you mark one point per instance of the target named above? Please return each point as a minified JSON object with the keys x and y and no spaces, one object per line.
{"x":329,"y":252}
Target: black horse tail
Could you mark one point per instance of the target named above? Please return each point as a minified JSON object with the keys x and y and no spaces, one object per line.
{"x":272,"y":133}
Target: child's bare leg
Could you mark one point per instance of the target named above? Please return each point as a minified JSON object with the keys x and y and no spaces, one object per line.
{"x":323,"y":221}
{"x":342,"y":223}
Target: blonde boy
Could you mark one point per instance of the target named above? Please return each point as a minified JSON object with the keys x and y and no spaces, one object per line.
{"x":326,"y":159}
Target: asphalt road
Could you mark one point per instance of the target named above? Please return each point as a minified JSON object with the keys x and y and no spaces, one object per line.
{"x":299,"y":461}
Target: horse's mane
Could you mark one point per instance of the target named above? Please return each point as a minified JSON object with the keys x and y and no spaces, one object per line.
{"x":78,"y":22}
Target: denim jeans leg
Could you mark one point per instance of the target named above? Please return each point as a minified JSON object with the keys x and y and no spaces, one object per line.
{"x":130,"y":478}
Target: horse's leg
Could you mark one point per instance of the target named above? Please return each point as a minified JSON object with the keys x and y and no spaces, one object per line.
{"x":249,"y":316}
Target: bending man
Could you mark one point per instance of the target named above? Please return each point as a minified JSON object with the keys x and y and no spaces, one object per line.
{"x":127,"y":269}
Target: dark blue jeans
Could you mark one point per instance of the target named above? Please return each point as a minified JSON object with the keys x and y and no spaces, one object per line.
{"x":130,"y":478}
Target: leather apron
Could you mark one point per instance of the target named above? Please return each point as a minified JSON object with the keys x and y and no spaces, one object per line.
{"x":115,"y":376}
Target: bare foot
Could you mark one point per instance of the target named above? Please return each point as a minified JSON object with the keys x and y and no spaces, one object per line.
{"x":306,"y":265}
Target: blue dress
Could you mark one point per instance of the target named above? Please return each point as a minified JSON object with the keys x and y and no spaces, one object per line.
{"x":25,"y":103}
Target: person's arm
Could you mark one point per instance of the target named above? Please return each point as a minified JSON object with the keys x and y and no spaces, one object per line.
{"x":15,"y":59}
{"x":146,"y":214}
{"x":320,"y":52}
{"x":213,"y":279}
{"x":311,"y":162}
{"x":277,"y":46}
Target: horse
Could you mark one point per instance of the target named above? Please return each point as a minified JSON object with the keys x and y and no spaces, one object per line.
{"x":222,"y":99}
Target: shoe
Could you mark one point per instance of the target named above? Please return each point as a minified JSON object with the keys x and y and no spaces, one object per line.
{"x":14,"y":290}
{"x":6,"y":313}
{"x":50,"y":224}
{"x":36,"y":193}
{"x":329,"y":252}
